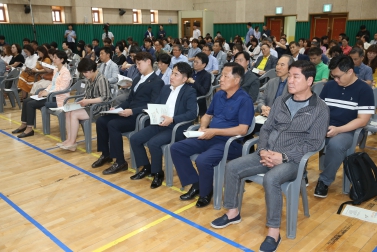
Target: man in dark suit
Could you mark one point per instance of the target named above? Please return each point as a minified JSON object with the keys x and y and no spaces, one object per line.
{"x":144,"y":89}
{"x":181,"y":101}
{"x":265,"y":62}
{"x":148,"y":33}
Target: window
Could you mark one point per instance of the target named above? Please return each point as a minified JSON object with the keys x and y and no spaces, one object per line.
{"x":135,"y":16}
{"x":58,"y":14}
{"x":154,"y":16}
{"x":95,"y":15}
{"x":3,"y":13}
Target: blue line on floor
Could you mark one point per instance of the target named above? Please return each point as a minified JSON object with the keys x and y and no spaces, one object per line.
{"x":35,"y":223}
{"x":189,"y":222}
{"x":375,"y":249}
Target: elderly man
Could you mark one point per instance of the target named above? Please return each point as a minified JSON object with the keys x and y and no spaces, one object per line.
{"x":230,"y":113}
{"x":108,"y":68}
{"x":213,"y":64}
{"x":266,"y":62}
{"x":351,"y":105}
{"x":362,"y":71}
{"x":177,"y":56}
{"x":297,"y":124}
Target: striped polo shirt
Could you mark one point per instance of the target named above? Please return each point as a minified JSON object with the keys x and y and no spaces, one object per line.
{"x":346,"y":103}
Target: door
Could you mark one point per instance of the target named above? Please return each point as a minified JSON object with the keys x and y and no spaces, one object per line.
{"x":339,"y":26}
{"x":321,"y":26}
{"x":188,"y":23}
{"x":276,"y":27}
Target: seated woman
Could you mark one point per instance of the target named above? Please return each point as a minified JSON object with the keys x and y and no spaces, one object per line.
{"x":60,"y":81}
{"x":47,"y":76}
{"x":164,"y":71}
{"x":371,"y":61}
{"x":80,"y":50}
{"x":32,"y":68}
{"x":7,"y":54}
{"x":253,"y":49}
{"x":118,"y":57}
{"x":90,"y":54}
{"x":18,"y":60}
{"x":97,"y":89}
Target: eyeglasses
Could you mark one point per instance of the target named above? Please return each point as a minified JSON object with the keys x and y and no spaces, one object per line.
{"x":338,"y":77}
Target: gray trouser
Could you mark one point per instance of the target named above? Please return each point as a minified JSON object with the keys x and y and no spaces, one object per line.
{"x":336,"y":151}
{"x":273,"y":179}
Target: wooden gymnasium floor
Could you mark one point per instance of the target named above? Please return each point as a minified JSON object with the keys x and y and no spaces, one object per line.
{"x":52,"y":200}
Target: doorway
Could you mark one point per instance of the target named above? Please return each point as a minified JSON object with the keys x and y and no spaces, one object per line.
{"x":328,"y":25}
{"x":188,"y":23}
{"x":276,"y":26}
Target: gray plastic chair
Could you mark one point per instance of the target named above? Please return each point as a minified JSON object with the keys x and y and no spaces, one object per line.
{"x":12,"y":92}
{"x":370,"y":127}
{"x":317,"y":87}
{"x":351,"y":150}
{"x":270,"y":74}
{"x":46,"y":113}
{"x":291,"y":189}
{"x":209,"y":95}
{"x":219,"y":170}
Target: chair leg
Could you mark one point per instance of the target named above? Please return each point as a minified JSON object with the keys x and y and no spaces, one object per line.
{"x":218,"y":185}
{"x":304,"y":196}
{"x":88,"y":136}
{"x":364,"y":140}
{"x":346,"y":184}
{"x":132,"y":156}
{"x":44,"y":119}
{"x":292,"y":198}
{"x":322,"y":159}
{"x":61,"y":119}
{"x":17,"y":97}
{"x":168,"y":165}
{"x":2,"y":102}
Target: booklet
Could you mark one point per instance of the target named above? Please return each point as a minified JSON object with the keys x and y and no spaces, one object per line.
{"x":155,"y":112}
{"x":35,"y":97}
{"x":68,"y":107}
{"x":114,"y":111}
{"x":48,"y":65}
{"x":260,"y":119}
{"x":190,"y":134}
{"x":255,"y":70}
{"x":124,"y":81}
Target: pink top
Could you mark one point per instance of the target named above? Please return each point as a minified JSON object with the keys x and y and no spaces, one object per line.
{"x":346,"y":50}
{"x":62,"y":82}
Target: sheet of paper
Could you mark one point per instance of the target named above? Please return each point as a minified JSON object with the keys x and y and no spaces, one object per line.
{"x":360,"y":213}
{"x":255,"y":70}
{"x":114,"y":111}
{"x":71,"y":106}
{"x":191,"y":134}
{"x":55,"y":109}
{"x":47,"y":65}
{"x":35,"y":97}
{"x":122,"y":77}
{"x":260,"y":119}
{"x":155,"y":112}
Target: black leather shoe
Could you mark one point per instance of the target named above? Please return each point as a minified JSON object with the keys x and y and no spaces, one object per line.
{"x":190,"y":194}
{"x":23,"y":134}
{"x":101,"y":161}
{"x":204,"y":201}
{"x":158,"y":179}
{"x":115,"y":168}
{"x":141,"y":174}
{"x":16,"y":131}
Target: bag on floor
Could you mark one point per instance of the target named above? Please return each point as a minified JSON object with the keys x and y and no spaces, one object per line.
{"x":362,"y":173}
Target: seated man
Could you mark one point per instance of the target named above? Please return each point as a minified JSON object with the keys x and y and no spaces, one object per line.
{"x":322,"y":71}
{"x":324,"y":58}
{"x":250,"y":82}
{"x":266,"y":62}
{"x":144,"y":90}
{"x":294,"y":47}
{"x":148,"y":47}
{"x":297,"y":124}
{"x":230,"y":114}
{"x":219,"y":55}
{"x":213,"y":64}
{"x":362,"y":71}
{"x":181,"y":100}
{"x":200,"y":80}
{"x":108,"y":68}
{"x":164,"y":71}
{"x":177,"y":56}
{"x":351,"y":105}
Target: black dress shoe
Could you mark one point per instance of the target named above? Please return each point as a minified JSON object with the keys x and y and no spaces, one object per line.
{"x":157,"y":180}
{"x":16,"y":131}
{"x":115,"y":168}
{"x":101,"y":161}
{"x":23,"y":134}
{"x":141,"y":174}
{"x":190,"y":194}
{"x":204,"y":201}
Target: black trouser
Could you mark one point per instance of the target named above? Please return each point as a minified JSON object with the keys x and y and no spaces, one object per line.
{"x":29,"y":108}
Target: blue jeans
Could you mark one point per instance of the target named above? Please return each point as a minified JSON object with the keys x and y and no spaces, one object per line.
{"x":274,"y":177}
{"x":336,"y":151}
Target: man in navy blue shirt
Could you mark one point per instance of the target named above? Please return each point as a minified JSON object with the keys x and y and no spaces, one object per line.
{"x":351,"y":104}
{"x":230,"y":114}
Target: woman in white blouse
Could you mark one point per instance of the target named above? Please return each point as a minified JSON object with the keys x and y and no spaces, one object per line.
{"x":254,"y":49}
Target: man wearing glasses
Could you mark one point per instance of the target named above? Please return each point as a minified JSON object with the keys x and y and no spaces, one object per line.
{"x":177,"y":56}
{"x":351,"y":105}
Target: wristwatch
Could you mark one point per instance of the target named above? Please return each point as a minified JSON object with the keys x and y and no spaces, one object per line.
{"x":285,"y":157}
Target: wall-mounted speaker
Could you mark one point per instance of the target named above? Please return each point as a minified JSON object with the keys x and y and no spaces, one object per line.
{"x":122,"y":12}
{"x":27,"y":9}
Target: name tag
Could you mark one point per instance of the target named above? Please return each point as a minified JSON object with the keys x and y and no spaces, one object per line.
{"x":82,"y":85}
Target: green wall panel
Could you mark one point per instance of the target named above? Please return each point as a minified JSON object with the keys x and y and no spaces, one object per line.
{"x":302,"y":30}
{"x":352,"y":27}
{"x":230,"y":30}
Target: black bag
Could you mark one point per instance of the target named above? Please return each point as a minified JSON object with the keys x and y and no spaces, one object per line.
{"x":362,"y":172}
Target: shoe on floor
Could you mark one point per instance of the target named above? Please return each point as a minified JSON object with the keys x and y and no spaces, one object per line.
{"x":321,"y":190}
{"x":224,"y":221}
{"x":306,"y":181}
{"x":269,"y":244}
{"x":204,"y":201}
{"x":23,"y":134}
{"x":115,"y":168}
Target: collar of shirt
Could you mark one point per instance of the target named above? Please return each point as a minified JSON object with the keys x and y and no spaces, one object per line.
{"x":176,"y":89}
{"x":283,"y":81}
{"x":145,"y":77}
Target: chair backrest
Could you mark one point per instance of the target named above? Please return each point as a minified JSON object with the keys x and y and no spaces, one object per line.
{"x":317,"y":87}
{"x":10,"y":81}
{"x":270,"y":74}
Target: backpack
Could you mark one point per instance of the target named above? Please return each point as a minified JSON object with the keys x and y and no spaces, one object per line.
{"x":362,"y":172}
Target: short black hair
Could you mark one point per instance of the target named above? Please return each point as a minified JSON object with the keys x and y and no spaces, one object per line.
{"x":135,"y":49}
{"x":346,"y":38}
{"x":65,"y":42}
{"x":245,"y":54}
{"x":209,"y":47}
{"x":148,"y":40}
{"x":237,"y":69}
{"x":315,"y":43}
{"x":62,"y":55}
{"x":29,"y":48}
{"x":362,"y":27}
{"x":366,"y":37}
{"x":357,"y":50}
{"x":120,"y":46}
{"x":184,"y":68}
{"x":335,"y":49}
{"x":203,"y":57}
{"x":34,"y":42}
{"x":86,"y":65}
{"x":26,"y":39}
{"x":107,"y":40}
{"x":343,"y":62}
{"x":89,"y":46}
{"x":143,"y":56}
{"x":315,"y":51}
{"x":19,"y":50}
{"x":107,"y":50}
{"x":307,"y":68}
{"x":249,"y":24}
{"x":295,"y":43}
{"x":54,"y":44}
{"x":47,"y":45}
{"x":164,"y":58}
{"x":95,"y":40}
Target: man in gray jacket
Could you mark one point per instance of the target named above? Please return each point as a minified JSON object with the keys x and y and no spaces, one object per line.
{"x":297,"y":124}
